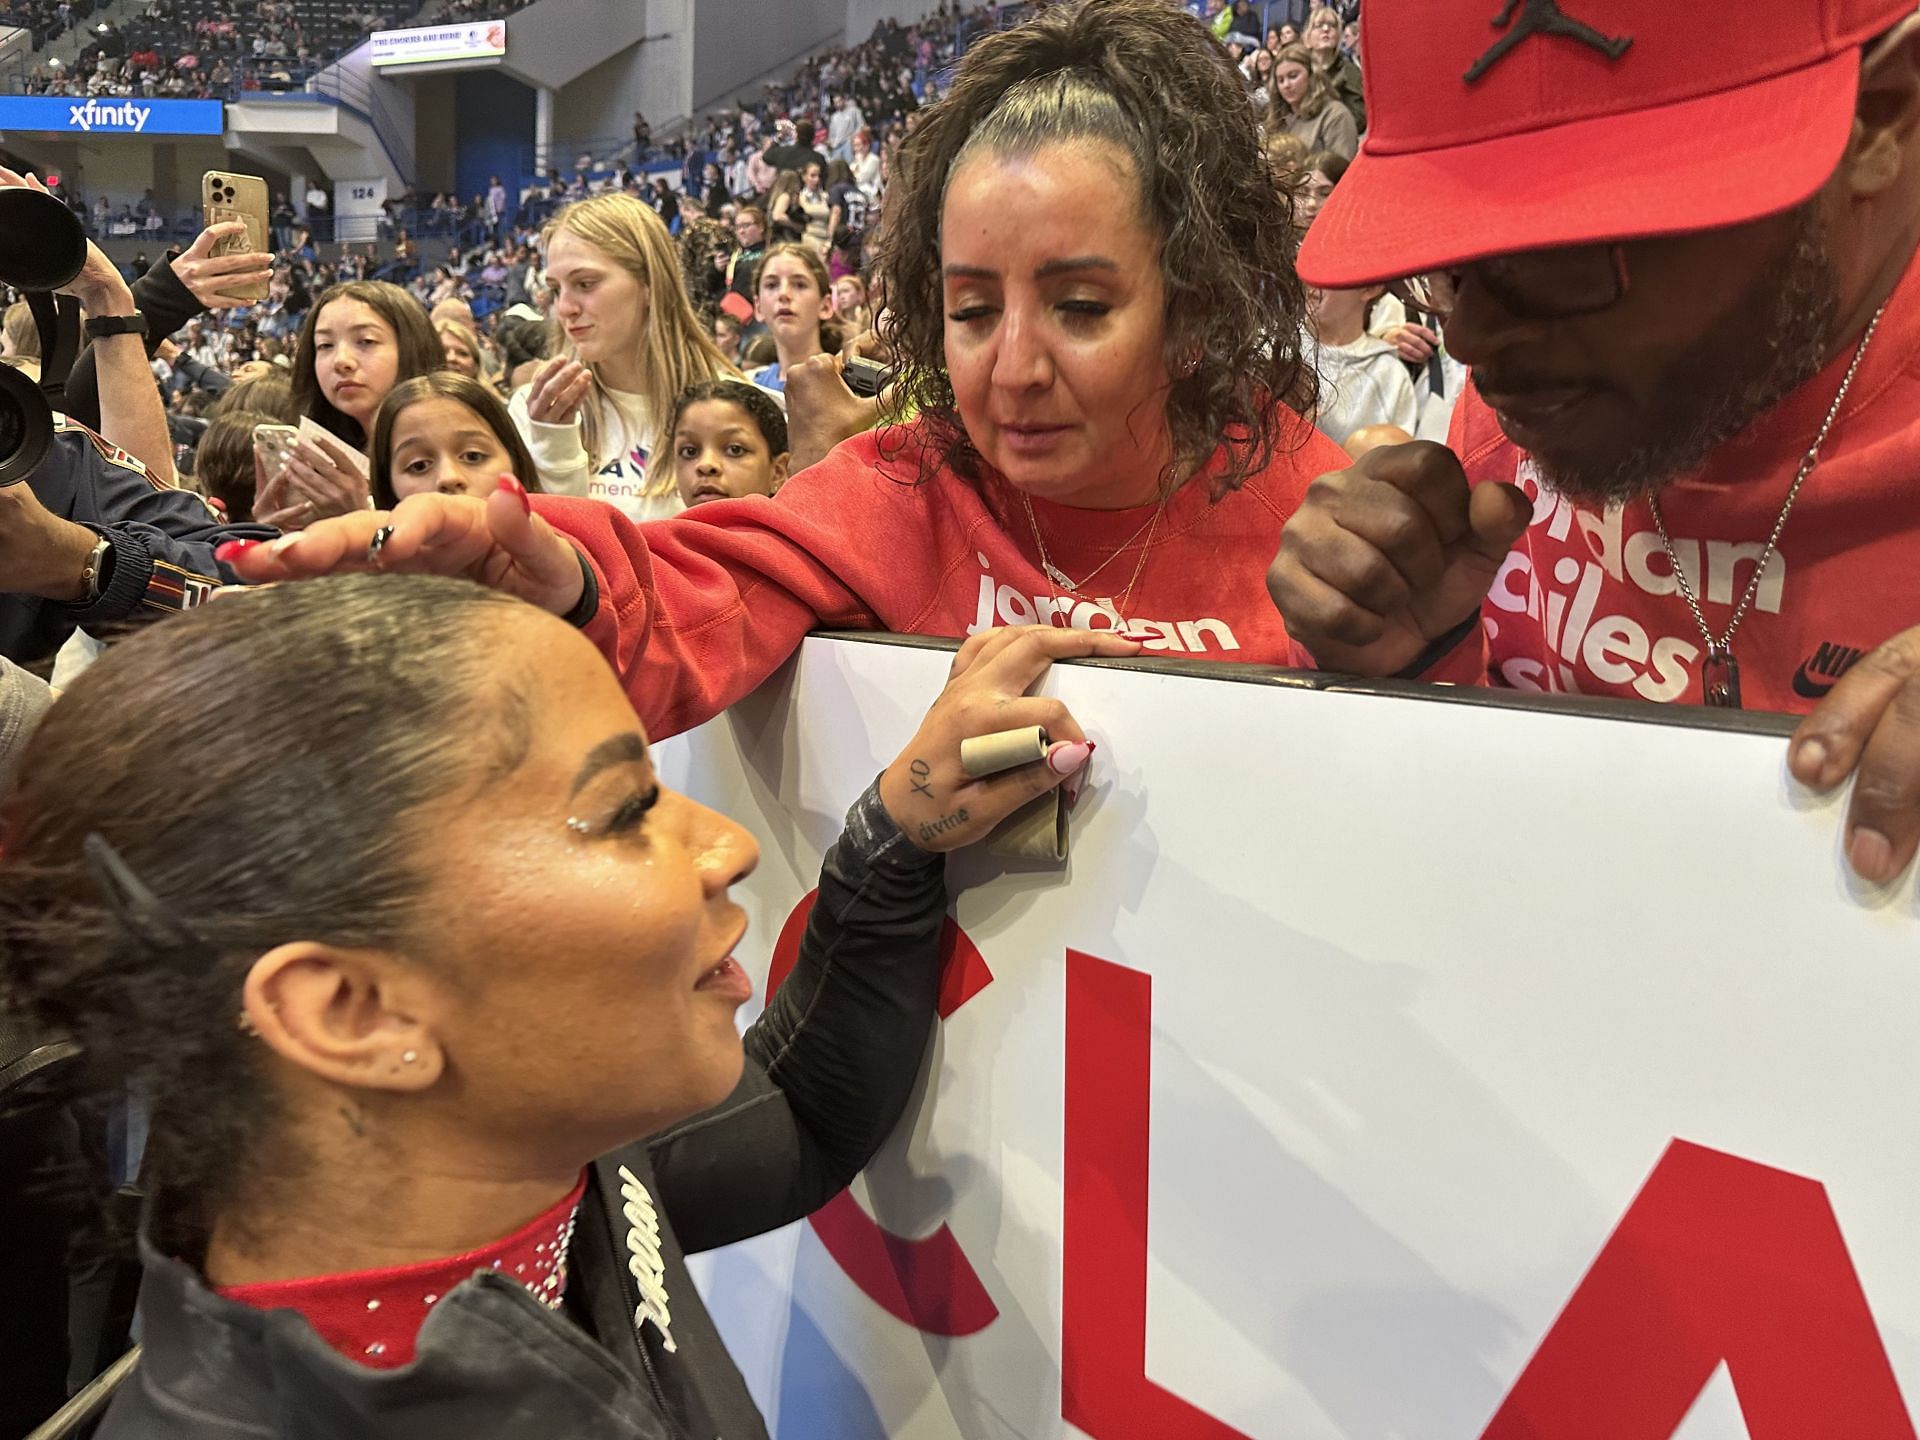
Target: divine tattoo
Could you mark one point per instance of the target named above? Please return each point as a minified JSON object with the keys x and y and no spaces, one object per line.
{"x":945,"y":823}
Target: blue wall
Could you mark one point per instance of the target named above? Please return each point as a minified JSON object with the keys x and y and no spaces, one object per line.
{"x":493,"y":116}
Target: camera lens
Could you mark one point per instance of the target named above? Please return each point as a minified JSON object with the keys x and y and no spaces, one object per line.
{"x":26,"y":426}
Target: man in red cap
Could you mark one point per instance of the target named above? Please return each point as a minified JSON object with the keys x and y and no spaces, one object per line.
{"x":1684,"y":278}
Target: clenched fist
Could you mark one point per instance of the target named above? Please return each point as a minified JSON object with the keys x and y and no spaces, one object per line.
{"x":1383,"y":559}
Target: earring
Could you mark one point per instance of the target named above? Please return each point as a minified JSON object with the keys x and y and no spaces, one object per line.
{"x":407,"y":1057}
{"x":579,"y":827}
{"x":245,"y":1024}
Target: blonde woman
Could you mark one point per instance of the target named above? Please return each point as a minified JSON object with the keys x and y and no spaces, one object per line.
{"x":1322,"y":39}
{"x":1303,"y":106}
{"x":627,"y":343}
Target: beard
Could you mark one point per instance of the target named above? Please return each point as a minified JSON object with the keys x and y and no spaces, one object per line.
{"x":1773,"y":341}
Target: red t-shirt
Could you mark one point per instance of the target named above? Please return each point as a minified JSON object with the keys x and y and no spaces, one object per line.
{"x":696,"y":611}
{"x":1587,"y":603}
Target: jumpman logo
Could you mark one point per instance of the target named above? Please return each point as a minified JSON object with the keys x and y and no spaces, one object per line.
{"x":1544,"y":17}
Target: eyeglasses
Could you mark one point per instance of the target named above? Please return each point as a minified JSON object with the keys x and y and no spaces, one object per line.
{"x":1538,"y":285}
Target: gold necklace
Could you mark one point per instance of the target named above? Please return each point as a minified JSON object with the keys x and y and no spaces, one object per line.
{"x":1720,"y":672}
{"x":1058,"y":579}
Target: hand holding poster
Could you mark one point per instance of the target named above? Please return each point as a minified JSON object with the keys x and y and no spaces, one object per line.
{"x":1379,"y":1066}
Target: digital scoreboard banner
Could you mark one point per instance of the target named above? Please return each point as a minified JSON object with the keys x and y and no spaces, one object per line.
{"x":486,"y":40}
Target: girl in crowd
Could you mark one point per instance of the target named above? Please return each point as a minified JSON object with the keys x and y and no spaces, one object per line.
{"x":1303,"y":105}
{"x":815,"y":206}
{"x":1259,"y":73}
{"x":866,"y":163}
{"x":1321,"y":171}
{"x":786,"y":222}
{"x":359,"y":341}
{"x":629,"y":343}
{"x":1322,"y":40}
{"x":1097,"y":329}
{"x":427,"y":1157}
{"x":460,"y":348}
{"x":729,"y":440}
{"x":1362,"y":379}
{"x":445,"y":433}
{"x":792,"y":297}
{"x":850,"y":303}
{"x":726,"y":336}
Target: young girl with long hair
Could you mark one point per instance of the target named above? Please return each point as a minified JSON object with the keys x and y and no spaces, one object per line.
{"x":447,"y":434}
{"x":628,"y":342}
{"x":793,"y":298}
{"x":359,"y":340}
{"x":1301,"y":103}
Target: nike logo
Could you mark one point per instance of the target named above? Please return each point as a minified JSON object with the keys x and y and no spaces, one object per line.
{"x":1819,"y":673}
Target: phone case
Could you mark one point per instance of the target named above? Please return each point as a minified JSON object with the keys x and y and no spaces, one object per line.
{"x":238,"y":197}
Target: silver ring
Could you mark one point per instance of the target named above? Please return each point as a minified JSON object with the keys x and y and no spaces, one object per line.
{"x":378,"y":543}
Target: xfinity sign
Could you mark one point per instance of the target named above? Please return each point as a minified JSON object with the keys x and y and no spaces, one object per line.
{"x":60,"y":115}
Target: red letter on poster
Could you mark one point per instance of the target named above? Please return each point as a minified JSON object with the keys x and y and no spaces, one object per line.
{"x":1104,"y":1387}
{"x":1716,"y":1259}
{"x":929,"y":1283}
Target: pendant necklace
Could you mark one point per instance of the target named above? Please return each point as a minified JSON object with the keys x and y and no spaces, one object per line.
{"x":1720,"y":671}
{"x":1060,"y":580}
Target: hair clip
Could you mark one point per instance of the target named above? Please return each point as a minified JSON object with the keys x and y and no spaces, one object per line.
{"x":138,"y":909}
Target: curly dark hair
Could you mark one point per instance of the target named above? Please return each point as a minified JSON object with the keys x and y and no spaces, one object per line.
{"x":1150,"y":80}
{"x":317,"y":720}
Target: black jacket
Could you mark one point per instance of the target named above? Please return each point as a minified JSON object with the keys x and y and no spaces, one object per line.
{"x":163,"y":540}
{"x":830,"y":1067}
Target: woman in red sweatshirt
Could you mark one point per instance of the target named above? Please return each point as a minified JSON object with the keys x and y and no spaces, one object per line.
{"x":1095,"y":314}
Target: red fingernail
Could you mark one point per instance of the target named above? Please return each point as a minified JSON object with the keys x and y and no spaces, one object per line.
{"x":228,"y":551}
{"x":513,"y":487}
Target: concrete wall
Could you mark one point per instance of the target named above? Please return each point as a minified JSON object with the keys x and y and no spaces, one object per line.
{"x":653,"y":74}
{"x":124,"y":168}
{"x":736,"y":45}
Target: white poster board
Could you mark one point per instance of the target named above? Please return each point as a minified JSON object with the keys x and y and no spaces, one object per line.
{"x":1360,"y":1034}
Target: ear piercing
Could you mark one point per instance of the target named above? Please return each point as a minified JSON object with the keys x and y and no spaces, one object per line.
{"x":407,"y":1057}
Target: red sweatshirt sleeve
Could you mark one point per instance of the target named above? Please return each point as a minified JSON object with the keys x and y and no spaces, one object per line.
{"x":696,"y":611}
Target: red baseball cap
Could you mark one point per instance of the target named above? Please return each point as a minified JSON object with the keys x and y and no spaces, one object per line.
{"x":1500,"y":126}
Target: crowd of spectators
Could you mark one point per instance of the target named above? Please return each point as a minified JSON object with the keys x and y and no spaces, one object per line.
{"x":1110,"y":314}
{"x":199,"y":49}
{"x":45,"y":20}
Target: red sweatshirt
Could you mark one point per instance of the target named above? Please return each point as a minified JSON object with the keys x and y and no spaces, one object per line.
{"x":696,"y":611}
{"x":1587,"y":603}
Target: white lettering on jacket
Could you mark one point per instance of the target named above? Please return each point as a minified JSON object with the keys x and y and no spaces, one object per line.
{"x":643,"y":1257}
{"x":1617,"y":650}
{"x":1000,"y":604}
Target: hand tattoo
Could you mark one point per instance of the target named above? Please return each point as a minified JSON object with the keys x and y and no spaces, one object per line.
{"x":945,"y":823}
{"x":921,"y":772}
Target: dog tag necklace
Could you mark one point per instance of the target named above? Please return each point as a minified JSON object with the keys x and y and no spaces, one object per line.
{"x":1720,"y":671}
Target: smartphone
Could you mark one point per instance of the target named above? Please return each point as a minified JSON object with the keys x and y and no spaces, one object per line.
{"x":866,"y":377}
{"x":273,"y":445}
{"x":226,"y":197}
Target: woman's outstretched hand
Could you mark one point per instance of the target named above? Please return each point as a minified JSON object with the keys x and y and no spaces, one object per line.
{"x":498,"y":541}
